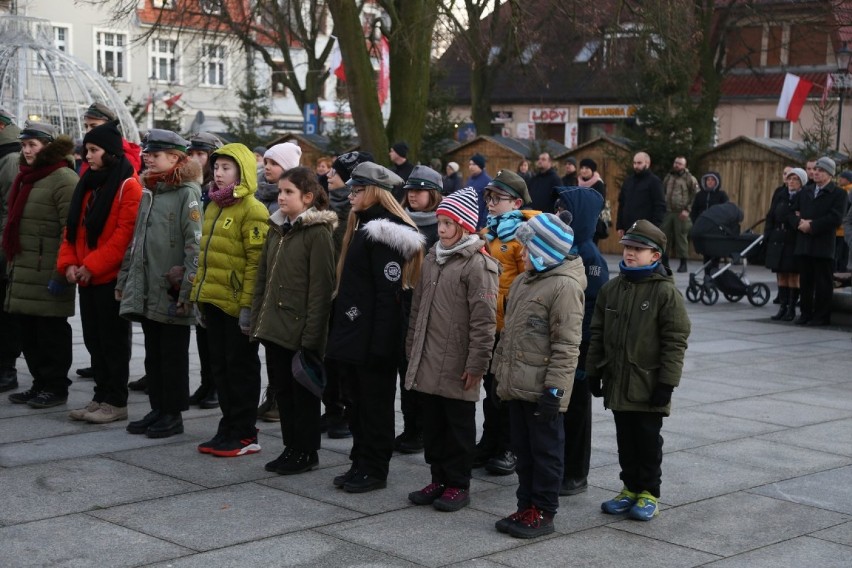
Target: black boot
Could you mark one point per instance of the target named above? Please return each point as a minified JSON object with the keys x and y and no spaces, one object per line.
{"x":682,"y":268}
{"x":210,"y":400}
{"x":792,"y":298}
{"x":199,"y":394}
{"x":784,"y":299}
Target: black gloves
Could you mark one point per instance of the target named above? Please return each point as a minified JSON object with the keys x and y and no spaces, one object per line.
{"x":595,"y":386}
{"x":661,"y":395}
{"x":548,"y":407}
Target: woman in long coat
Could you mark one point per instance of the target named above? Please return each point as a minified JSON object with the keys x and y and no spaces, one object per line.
{"x":781,"y":241}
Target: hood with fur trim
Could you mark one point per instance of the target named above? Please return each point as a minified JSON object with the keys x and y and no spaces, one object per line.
{"x":404,"y":239}
{"x":312,"y":216}
{"x":247,"y":164}
{"x":188,"y":171}
{"x":58,"y":150}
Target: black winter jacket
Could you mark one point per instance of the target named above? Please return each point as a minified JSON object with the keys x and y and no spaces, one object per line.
{"x":826,"y":212}
{"x":641,"y":197}
{"x":542,"y":189}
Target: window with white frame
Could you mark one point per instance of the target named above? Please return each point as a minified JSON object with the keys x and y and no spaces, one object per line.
{"x":61,"y":38}
{"x":164,"y":4}
{"x":164,"y":60}
{"x":213,"y":61}
{"x":61,"y":42}
{"x":212,"y":7}
{"x":111,"y":54}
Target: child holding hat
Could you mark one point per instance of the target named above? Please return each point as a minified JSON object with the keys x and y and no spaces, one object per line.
{"x":639,"y":334}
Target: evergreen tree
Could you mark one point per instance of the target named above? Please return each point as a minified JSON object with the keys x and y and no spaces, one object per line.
{"x":254,"y":107}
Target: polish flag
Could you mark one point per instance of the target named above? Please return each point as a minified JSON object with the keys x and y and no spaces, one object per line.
{"x":337,"y":62}
{"x":829,"y":83}
{"x":793,"y":97}
{"x":384,"y":70}
{"x":170,"y":102}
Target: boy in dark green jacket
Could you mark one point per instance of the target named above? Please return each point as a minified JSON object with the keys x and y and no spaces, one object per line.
{"x":638,"y":338}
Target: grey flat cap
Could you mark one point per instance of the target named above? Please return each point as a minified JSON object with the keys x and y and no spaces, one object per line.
{"x":6,"y":117}
{"x":38,"y":130}
{"x":100,"y":111}
{"x":368,"y":173}
{"x":205,"y":142}
{"x":424,"y":177}
{"x":157,"y":140}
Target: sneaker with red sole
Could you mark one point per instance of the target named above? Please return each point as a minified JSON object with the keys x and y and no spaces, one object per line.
{"x":208,"y":446}
{"x":503,"y":524}
{"x":233,"y":447}
{"x":427,"y":495}
{"x":452,"y":499}
{"x":532,"y":523}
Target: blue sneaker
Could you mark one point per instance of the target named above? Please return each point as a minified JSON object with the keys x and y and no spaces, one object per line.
{"x":620,"y":504}
{"x":645,"y":508}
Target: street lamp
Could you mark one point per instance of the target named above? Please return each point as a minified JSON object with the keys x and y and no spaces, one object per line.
{"x":842,"y":81}
{"x":152,"y":97}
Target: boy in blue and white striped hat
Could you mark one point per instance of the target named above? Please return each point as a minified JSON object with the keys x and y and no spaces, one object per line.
{"x":535,"y":362}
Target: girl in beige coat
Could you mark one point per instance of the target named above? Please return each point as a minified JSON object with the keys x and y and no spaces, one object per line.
{"x":453,"y":321}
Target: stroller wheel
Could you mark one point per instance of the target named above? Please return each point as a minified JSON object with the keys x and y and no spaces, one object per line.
{"x":733,"y":297}
{"x":710,"y":296}
{"x":758,"y":294}
{"x":694,"y":293}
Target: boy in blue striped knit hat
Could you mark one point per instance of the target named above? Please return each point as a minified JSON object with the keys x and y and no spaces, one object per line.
{"x":535,"y":363}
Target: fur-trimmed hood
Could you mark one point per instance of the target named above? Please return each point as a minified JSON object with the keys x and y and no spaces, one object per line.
{"x":188,"y":171}
{"x":403,"y":238}
{"x":312,"y":216}
{"x":58,"y":150}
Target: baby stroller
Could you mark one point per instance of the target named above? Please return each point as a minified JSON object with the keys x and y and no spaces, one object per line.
{"x":716,"y":234}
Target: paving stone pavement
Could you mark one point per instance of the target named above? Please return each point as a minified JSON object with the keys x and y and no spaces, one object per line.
{"x":757,"y":472}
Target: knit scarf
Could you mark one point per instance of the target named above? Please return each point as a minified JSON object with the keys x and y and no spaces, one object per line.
{"x":503,"y":226}
{"x":103,"y":184}
{"x":442,"y":255}
{"x":422,"y":218}
{"x":173,"y":176}
{"x":20,"y":192}
{"x":223,"y":197}
{"x":338,"y":199}
{"x":596,"y":177}
{"x":638,"y":273}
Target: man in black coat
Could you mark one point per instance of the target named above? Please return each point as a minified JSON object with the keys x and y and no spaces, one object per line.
{"x":818,"y":214}
{"x":641,"y":196}
{"x":543,"y":184}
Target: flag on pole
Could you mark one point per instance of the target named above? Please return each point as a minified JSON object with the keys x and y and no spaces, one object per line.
{"x":384,"y":70}
{"x":337,"y":62}
{"x":171,"y":101}
{"x":793,"y":97}
{"x":829,"y":83}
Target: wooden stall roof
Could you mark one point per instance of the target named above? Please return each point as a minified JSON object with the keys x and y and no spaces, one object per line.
{"x":501,"y":152}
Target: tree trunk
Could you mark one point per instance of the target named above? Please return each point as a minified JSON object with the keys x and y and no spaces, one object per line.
{"x":363,"y":101}
{"x":481,"y":87}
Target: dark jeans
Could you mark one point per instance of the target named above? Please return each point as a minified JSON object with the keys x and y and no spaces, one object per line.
{"x":167,"y":365}
{"x":107,"y":337}
{"x":640,"y":450}
{"x":816,"y":286}
{"x":449,"y":438}
{"x":298,"y":408}
{"x":409,"y":405}
{"x":578,"y":430}
{"x":371,"y":389}
{"x":235,"y":370}
{"x":539,"y":447}
{"x":46,"y":343}
{"x":10,"y":330}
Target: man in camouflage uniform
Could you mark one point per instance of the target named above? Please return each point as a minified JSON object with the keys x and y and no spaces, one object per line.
{"x":681,"y":187}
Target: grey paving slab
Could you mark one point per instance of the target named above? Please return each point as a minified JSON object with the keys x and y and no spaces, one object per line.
{"x":831,"y":490}
{"x":830,"y":369}
{"x":787,"y":460}
{"x":733,"y":523}
{"x":702,"y":423}
{"x":604,"y":548}
{"x":802,"y":551}
{"x":412,"y":534}
{"x":834,"y":437}
{"x":240,"y":513}
{"x":303,"y":549}
{"x":80,"y":541}
{"x":837,"y":395}
{"x":841,"y":534}
{"x":780,"y":412}
{"x":33,"y":492}
{"x":724,"y":346}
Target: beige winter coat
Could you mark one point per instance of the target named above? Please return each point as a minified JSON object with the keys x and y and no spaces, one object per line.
{"x":540,"y":343}
{"x":453,"y":322}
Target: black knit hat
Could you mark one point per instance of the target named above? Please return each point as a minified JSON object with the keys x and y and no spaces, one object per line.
{"x":106,"y":136}
{"x":345,"y":163}
{"x":589,"y":163}
{"x":401,"y":148}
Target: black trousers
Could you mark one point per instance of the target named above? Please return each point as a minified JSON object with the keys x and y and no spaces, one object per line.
{"x":449,"y":438}
{"x":333,"y":398}
{"x":539,"y":447}
{"x":202,"y":344}
{"x":816,"y":287}
{"x":640,"y":450}
{"x":496,"y":434}
{"x":371,"y":389}
{"x":167,"y":365}
{"x":46,"y":344}
{"x":107,"y":337}
{"x":578,"y":430}
{"x":298,"y":408}
{"x":235,"y":370}
{"x":410,"y":405}
{"x":10,"y":329}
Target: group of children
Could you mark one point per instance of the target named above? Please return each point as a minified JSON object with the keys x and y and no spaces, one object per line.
{"x":408,"y":289}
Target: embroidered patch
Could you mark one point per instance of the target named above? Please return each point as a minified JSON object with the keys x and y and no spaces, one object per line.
{"x":539,"y":326}
{"x":194,"y":214}
{"x":256,"y":235}
{"x":645,"y":305}
{"x":353,"y":313}
{"x":195,"y":261}
{"x":392,"y":271}
{"x":193,"y":204}
{"x":197,"y":237}
{"x":226,"y":224}
{"x":504,"y":248}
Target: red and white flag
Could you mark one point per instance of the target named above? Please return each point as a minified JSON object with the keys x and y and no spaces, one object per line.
{"x":829,"y":83}
{"x":336,"y":63}
{"x":384,"y":70}
{"x":171,"y":101}
{"x":793,"y":97}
